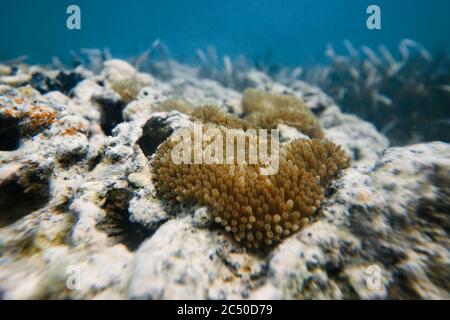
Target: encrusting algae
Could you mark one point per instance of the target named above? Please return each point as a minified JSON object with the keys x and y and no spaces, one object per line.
{"x":31,"y":116}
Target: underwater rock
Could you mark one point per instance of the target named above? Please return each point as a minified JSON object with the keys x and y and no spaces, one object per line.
{"x":287,"y":133}
{"x":359,"y":138}
{"x":391,"y":218}
{"x":146,"y":103}
{"x":159,"y":127}
{"x":146,"y":210}
{"x":18,"y":79}
{"x":186,"y":85}
{"x":364,"y":226}
{"x":181,"y":261}
{"x":5,"y":70}
{"x":63,"y":82}
{"x":126,"y":81}
{"x":77,"y":195}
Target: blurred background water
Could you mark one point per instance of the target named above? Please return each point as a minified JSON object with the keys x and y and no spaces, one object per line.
{"x":293,"y":32}
{"x":407,"y":96}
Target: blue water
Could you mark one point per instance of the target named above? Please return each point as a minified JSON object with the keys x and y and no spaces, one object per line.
{"x":295,"y":31}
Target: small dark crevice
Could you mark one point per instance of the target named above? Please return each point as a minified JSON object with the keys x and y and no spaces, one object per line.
{"x":356,"y":153}
{"x":155,"y":131}
{"x":9,"y":134}
{"x":438,"y":273}
{"x":331,"y":190}
{"x":93,"y":162}
{"x":348,"y":291}
{"x":64,"y":82}
{"x":16,"y":202}
{"x":402,"y":286}
{"x":117,"y":224}
{"x":319,"y":109}
{"x":111,"y":113}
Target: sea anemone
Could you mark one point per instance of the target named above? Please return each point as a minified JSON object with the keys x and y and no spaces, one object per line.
{"x":176,"y":105}
{"x":258,"y":210}
{"x":212,"y":114}
{"x":267,"y":110}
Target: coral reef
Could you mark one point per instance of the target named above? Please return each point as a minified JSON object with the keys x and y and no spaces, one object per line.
{"x":406,"y":98}
{"x":64,"y":81}
{"x":391,"y":218}
{"x":124,"y":80}
{"x":405,"y":94}
{"x":77,"y":194}
{"x":23,"y":112}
